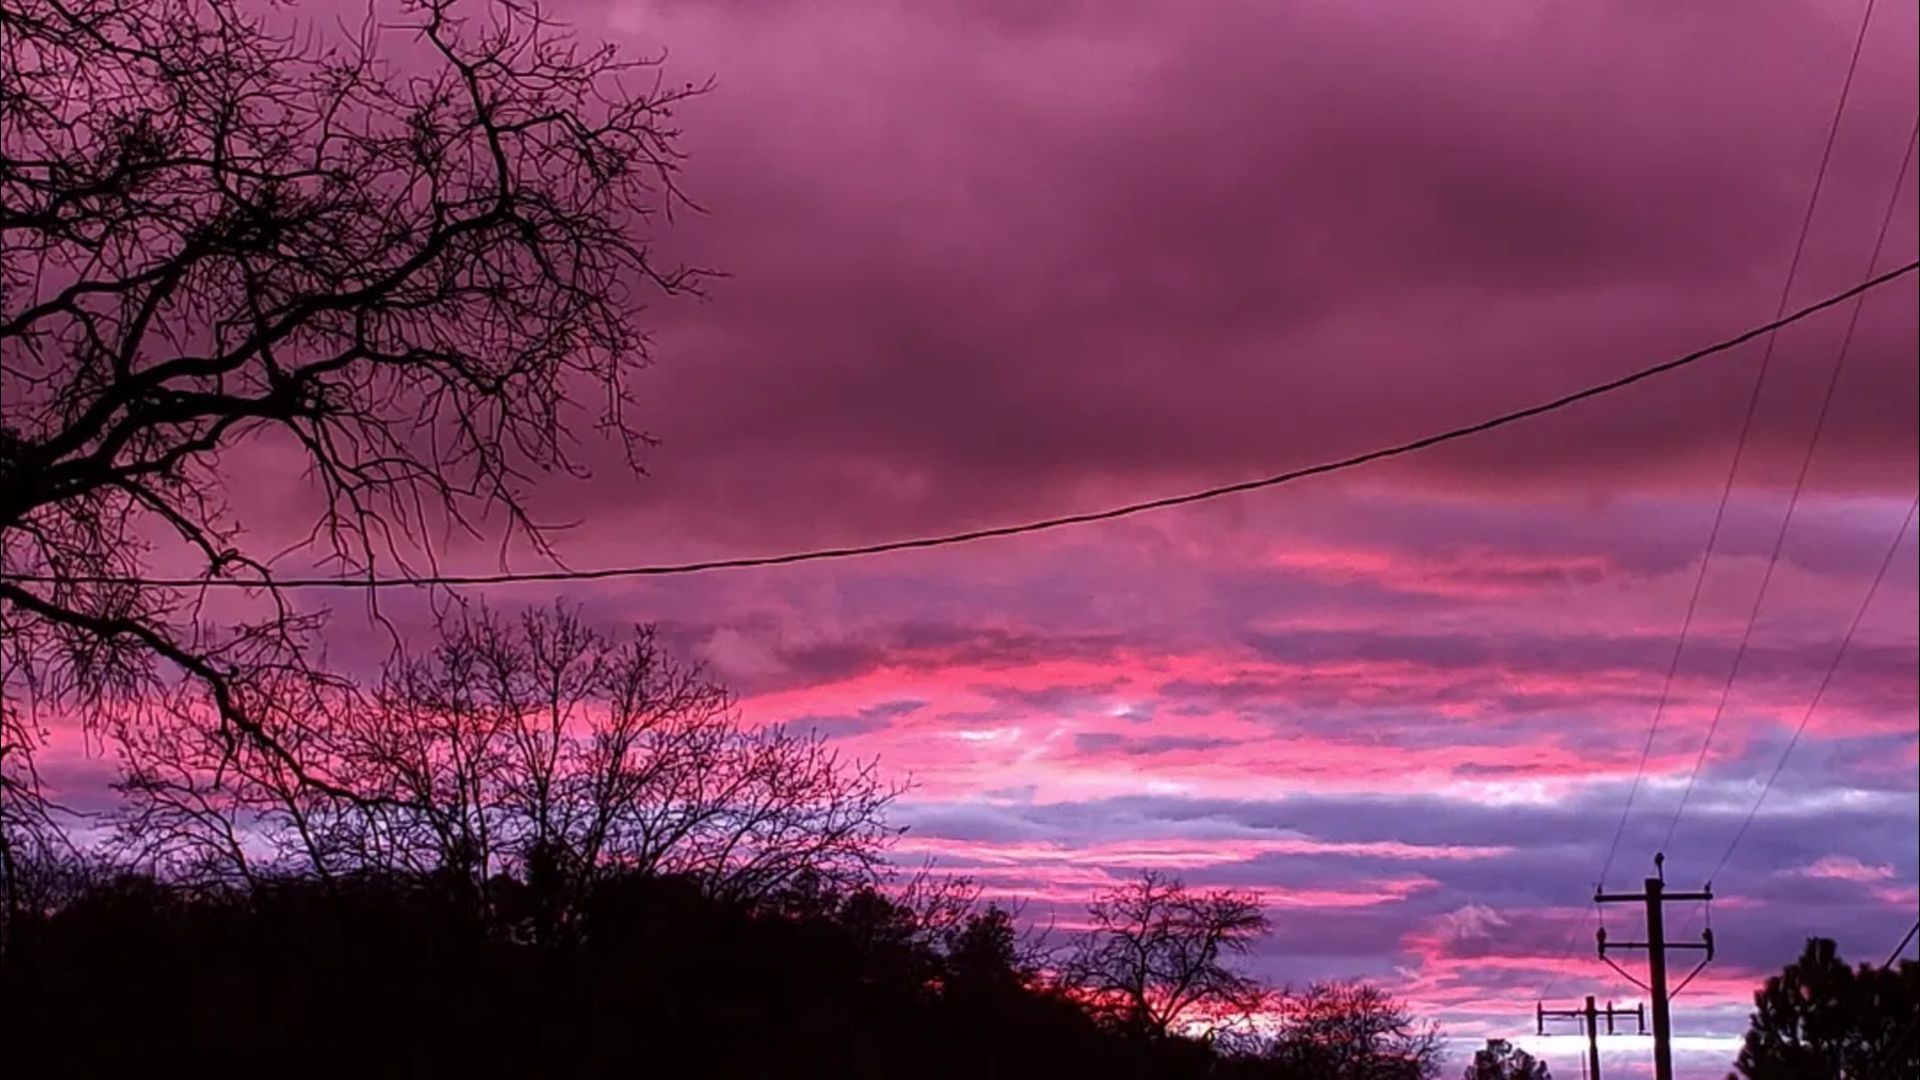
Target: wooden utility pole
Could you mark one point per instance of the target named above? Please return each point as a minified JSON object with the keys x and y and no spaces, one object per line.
{"x":1590,"y":1016}
{"x":1655,"y":897}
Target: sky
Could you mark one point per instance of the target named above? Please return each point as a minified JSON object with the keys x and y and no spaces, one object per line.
{"x":997,"y":260}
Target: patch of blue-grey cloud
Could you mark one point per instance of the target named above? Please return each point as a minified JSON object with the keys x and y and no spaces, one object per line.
{"x":1548,"y":870}
{"x":864,"y":721}
{"x":1107,"y":742}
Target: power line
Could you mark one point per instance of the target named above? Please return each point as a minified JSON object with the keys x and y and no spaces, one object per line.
{"x":1826,"y":680}
{"x":1573,"y":935}
{"x":1899,"y":1045}
{"x":969,"y":536}
{"x":1740,"y":447}
{"x":1902,"y":947}
{"x":1793,"y":502}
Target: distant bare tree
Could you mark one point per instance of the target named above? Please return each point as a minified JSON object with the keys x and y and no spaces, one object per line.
{"x":214,"y":810}
{"x":407,"y":256}
{"x":940,"y":903}
{"x":1353,"y":1031}
{"x":1157,"y":955}
{"x":535,"y":745}
{"x":31,"y":836}
{"x":43,"y":879}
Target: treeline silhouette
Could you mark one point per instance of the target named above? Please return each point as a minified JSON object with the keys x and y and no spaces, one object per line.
{"x":384,"y":975}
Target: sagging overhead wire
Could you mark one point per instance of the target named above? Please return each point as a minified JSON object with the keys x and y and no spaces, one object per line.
{"x":974,"y":535}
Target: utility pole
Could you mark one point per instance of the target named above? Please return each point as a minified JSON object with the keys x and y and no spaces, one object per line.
{"x":1656,"y":897}
{"x":1591,"y":1016}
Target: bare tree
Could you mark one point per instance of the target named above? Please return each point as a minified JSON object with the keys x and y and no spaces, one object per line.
{"x":1353,"y":1031}
{"x":537,"y":746}
{"x":408,"y":256}
{"x":1157,"y":955}
{"x":213,"y":810}
{"x":31,"y":836}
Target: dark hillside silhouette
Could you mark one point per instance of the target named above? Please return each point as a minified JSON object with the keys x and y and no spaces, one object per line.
{"x":374,"y":975}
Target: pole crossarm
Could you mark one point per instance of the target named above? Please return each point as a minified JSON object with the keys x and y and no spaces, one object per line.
{"x":1640,"y":897}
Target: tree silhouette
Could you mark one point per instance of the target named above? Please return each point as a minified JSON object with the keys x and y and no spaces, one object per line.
{"x":404,"y":259}
{"x":382,"y":974}
{"x":32,"y":842}
{"x":1353,"y":1031}
{"x":1157,"y":955}
{"x":984,"y":954}
{"x":535,"y":745}
{"x":1501,"y":1060}
{"x":1821,"y":1020}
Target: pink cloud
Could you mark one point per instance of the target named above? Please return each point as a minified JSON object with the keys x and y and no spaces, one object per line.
{"x":1845,"y":868}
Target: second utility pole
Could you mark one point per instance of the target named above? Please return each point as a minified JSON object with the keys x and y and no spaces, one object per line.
{"x":1591,"y":1015}
{"x":1656,"y":945}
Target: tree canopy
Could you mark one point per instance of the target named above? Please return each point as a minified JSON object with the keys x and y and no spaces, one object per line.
{"x":1822,"y":1020}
